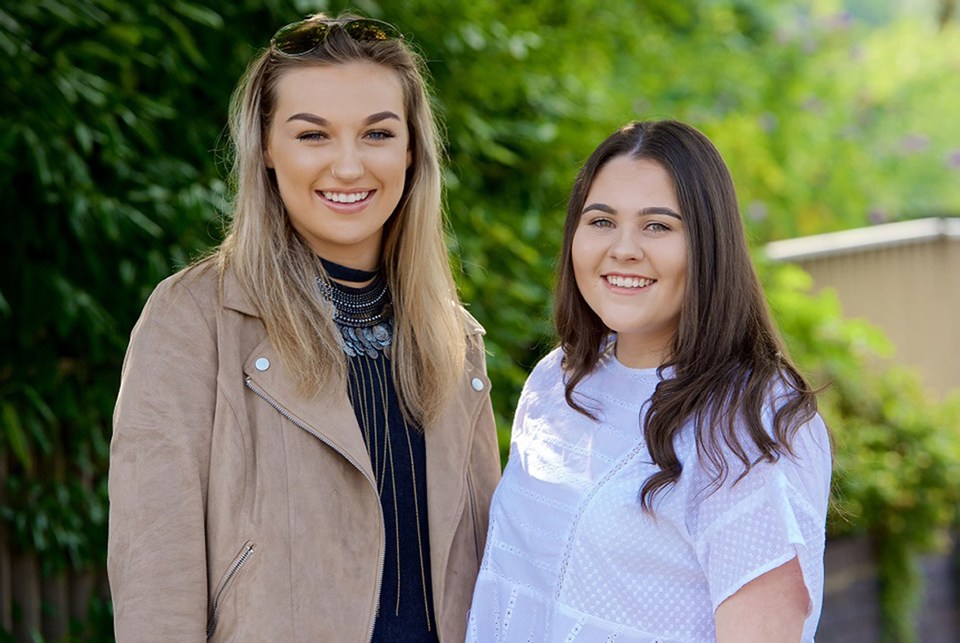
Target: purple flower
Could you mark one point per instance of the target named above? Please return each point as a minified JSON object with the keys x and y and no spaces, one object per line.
{"x":768,"y":122}
{"x":812,"y":104}
{"x":757,"y":210}
{"x":914,"y":143}
{"x":841,"y":20}
{"x":878,"y":215}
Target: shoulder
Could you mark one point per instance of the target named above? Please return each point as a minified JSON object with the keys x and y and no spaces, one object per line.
{"x":203,"y":288}
{"x":806,"y":451}
{"x":199,"y":283}
{"x":805,"y":465}
{"x":811,"y":441}
{"x":552,"y":362}
{"x":474,"y":331}
{"x":183,"y":303}
{"x":472,"y":327}
{"x":542,"y":395}
{"x":548,"y":370}
{"x":544,"y":382}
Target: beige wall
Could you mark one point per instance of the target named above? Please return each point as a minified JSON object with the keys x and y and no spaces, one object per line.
{"x":909,"y":289}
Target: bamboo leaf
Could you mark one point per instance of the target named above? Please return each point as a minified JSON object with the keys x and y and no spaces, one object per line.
{"x":15,"y":436}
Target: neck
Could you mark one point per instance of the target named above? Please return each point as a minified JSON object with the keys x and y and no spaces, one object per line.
{"x":633,"y":354}
{"x":346,"y":275}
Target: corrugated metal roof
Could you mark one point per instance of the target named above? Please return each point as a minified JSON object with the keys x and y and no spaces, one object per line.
{"x":860,"y":239}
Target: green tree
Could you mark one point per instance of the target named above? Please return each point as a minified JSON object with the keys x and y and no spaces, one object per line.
{"x":108,"y":187}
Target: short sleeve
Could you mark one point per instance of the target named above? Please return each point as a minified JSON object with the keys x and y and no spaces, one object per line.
{"x":775,"y":513}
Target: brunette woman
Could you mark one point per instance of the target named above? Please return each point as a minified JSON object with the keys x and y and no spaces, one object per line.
{"x":669,"y":473}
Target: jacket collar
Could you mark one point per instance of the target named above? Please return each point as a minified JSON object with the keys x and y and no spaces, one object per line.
{"x":330,"y":418}
{"x":234,"y":297}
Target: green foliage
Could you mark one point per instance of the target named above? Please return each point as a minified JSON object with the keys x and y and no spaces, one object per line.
{"x":103,"y":206}
{"x":108,"y":188}
{"x":897,"y":452}
{"x":111,"y":166}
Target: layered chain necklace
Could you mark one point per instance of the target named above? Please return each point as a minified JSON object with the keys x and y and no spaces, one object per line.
{"x":363,"y":315}
{"x":365,"y":319}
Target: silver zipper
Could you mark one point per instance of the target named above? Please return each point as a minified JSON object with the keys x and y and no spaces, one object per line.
{"x":286,"y":414}
{"x":234,"y":568}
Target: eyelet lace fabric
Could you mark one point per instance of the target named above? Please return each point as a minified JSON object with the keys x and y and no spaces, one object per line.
{"x":570,"y":555}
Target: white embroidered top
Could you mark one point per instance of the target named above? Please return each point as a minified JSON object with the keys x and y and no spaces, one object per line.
{"x":570,"y":555}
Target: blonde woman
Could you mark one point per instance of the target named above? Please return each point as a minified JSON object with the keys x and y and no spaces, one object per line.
{"x":304,"y":447}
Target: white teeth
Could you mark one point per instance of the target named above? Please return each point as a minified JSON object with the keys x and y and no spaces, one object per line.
{"x":345,"y":197}
{"x":628,"y":282}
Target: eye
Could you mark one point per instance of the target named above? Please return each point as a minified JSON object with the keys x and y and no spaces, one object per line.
{"x":600,"y":222}
{"x":312,"y":135}
{"x":657,"y":227}
{"x":380,"y":135}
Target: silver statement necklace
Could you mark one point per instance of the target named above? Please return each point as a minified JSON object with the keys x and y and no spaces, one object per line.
{"x":363,"y":315}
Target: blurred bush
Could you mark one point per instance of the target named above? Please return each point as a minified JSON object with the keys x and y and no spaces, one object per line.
{"x":897,"y":451}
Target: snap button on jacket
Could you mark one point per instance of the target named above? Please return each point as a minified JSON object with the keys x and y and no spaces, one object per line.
{"x":243,"y":510}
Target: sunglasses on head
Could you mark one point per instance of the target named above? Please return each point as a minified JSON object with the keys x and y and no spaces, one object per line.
{"x":299,"y":38}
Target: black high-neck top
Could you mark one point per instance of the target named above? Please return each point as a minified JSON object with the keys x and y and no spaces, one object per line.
{"x":397,"y":454}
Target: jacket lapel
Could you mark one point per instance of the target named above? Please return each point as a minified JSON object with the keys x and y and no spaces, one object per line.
{"x":331,"y":418}
{"x":328,"y":416}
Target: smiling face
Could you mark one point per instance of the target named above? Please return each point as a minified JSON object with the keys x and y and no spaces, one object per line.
{"x":629,"y":257}
{"x":339,"y":146}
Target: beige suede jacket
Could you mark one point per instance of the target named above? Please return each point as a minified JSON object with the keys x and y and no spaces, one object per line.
{"x":241,"y":511}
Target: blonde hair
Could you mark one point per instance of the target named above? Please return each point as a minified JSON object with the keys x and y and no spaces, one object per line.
{"x":279,"y":270}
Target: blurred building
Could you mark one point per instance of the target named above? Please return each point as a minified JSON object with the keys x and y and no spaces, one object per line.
{"x":902,"y":277}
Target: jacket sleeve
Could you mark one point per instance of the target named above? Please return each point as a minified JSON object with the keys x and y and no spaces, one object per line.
{"x":159,"y":457}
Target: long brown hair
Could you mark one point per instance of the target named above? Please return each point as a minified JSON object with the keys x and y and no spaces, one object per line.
{"x":727,"y":357}
{"x":279,"y":270}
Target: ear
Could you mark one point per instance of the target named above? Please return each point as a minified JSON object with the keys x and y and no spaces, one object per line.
{"x":267,"y":160}
{"x":409,"y":157}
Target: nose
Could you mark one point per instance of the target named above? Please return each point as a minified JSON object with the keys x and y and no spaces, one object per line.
{"x":347,"y":165}
{"x":627,"y":246}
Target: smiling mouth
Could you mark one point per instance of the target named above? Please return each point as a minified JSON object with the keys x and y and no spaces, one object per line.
{"x":346,"y":197}
{"x":628,"y":282}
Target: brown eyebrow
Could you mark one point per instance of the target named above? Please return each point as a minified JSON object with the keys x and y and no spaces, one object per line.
{"x":599,"y":206}
{"x":322,"y":122}
{"x":603,"y":207}
{"x":380,"y":116}
{"x":310,"y":118}
{"x":660,"y":210}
